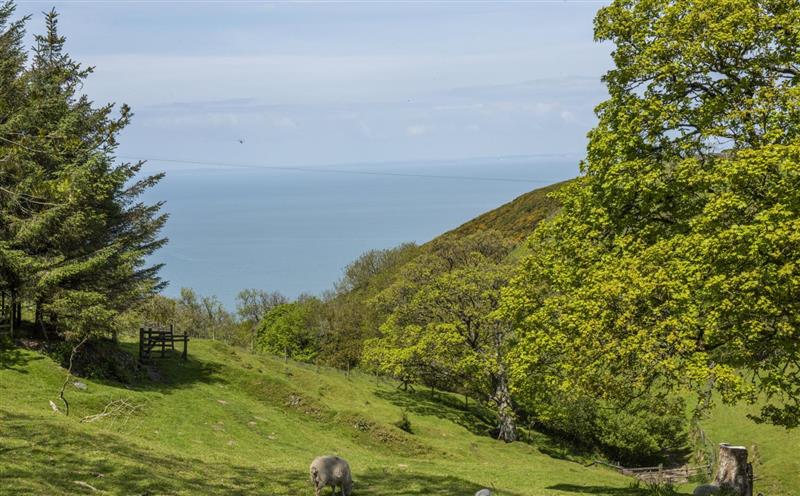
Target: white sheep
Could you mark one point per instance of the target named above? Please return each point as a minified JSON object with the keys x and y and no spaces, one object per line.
{"x":331,"y":471}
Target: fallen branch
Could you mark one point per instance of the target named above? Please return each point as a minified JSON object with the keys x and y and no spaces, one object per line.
{"x":86,"y":485}
{"x":116,"y":408}
{"x":69,"y":375}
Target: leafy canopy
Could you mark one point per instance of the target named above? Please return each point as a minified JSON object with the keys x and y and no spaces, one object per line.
{"x":675,"y":258}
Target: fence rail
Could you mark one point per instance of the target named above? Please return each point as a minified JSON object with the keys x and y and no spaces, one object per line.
{"x":659,"y":474}
{"x":153,"y":339}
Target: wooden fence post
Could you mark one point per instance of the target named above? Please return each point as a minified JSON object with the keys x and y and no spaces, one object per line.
{"x":184,"y":355}
{"x":141,"y":343}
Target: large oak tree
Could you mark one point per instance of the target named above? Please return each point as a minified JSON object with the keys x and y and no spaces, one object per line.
{"x":675,"y":261}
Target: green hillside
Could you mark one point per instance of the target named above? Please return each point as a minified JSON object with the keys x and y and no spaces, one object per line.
{"x":516,"y":219}
{"x":228,"y":422}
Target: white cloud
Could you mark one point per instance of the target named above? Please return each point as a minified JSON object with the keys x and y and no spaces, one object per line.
{"x":567,"y":116}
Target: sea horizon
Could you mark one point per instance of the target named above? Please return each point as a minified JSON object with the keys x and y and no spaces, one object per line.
{"x":293,"y":229}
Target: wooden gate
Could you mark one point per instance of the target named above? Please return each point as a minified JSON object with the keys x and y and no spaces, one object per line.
{"x":155,"y":341}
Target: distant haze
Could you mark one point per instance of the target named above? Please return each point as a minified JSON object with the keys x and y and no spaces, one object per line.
{"x":293,"y":232}
{"x":302,"y":84}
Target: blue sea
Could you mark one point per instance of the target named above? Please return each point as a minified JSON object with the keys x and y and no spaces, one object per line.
{"x":293,"y":230}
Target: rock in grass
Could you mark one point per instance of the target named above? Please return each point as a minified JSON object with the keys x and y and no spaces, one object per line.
{"x":80,"y":385}
{"x":484,"y":492}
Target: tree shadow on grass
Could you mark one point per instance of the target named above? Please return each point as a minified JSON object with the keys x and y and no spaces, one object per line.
{"x":604,"y":490}
{"x":385,"y":483}
{"x":49,"y":456}
{"x":56,"y":459}
{"x":163,"y":374}
{"x":475,"y":419}
{"x":12,"y":358}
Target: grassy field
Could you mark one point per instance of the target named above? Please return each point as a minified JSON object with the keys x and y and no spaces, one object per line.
{"x":227,"y":422}
{"x":773,"y":450}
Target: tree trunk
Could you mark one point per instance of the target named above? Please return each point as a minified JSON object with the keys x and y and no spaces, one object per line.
{"x":12,"y":313}
{"x":18,"y":322}
{"x":38,"y":320}
{"x":507,"y":430}
{"x":734,"y":474}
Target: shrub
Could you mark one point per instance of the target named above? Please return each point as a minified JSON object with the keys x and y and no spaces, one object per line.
{"x":404,"y":423}
{"x":96,"y":359}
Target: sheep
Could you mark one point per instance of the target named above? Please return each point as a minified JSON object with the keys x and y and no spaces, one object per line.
{"x":331,"y":471}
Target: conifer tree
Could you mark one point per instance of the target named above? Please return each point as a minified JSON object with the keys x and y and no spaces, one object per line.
{"x":78,"y":224}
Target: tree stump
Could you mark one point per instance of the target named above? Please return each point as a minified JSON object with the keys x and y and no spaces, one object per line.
{"x":734,"y":474}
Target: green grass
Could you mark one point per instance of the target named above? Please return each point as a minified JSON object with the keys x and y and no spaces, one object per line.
{"x":227,"y":422}
{"x":773,"y":450}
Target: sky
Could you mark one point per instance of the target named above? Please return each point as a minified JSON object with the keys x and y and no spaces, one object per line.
{"x":322,"y":96}
{"x":309,"y":83}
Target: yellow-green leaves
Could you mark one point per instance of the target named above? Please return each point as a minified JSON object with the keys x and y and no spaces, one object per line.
{"x":674,"y":259}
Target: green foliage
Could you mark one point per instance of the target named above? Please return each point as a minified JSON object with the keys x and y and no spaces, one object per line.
{"x":347,"y":316}
{"x":642,"y":432}
{"x":515,"y":220}
{"x":443,"y":331}
{"x":378,"y":280}
{"x":98,"y":359}
{"x":73,"y":235}
{"x":673,"y":261}
{"x":253,"y":304}
{"x":197,"y":315}
{"x":654,"y":489}
{"x":404,"y":424}
{"x":288,"y":330}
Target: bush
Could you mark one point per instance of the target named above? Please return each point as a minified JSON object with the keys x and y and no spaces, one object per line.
{"x":647,"y":431}
{"x":98,"y":359}
{"x":404,"y":423}
{"x":644,"y":431}
{"x":654,"y":489}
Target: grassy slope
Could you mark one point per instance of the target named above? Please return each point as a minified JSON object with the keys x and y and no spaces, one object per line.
{"x":773,"y":450}
{"x":777,"y":465}
{"x":231,"y":423}
{"x":516,"y":219}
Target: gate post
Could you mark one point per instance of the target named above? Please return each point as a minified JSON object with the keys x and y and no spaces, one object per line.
{"x":141,"y":343}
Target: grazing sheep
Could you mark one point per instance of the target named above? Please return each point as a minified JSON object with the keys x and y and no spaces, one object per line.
{"x":484,"y":492}
{"x":706,"y":490}
{"x":331,"y":471}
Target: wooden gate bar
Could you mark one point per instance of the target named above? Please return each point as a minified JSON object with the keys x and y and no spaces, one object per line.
{"x":151,"y":338}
